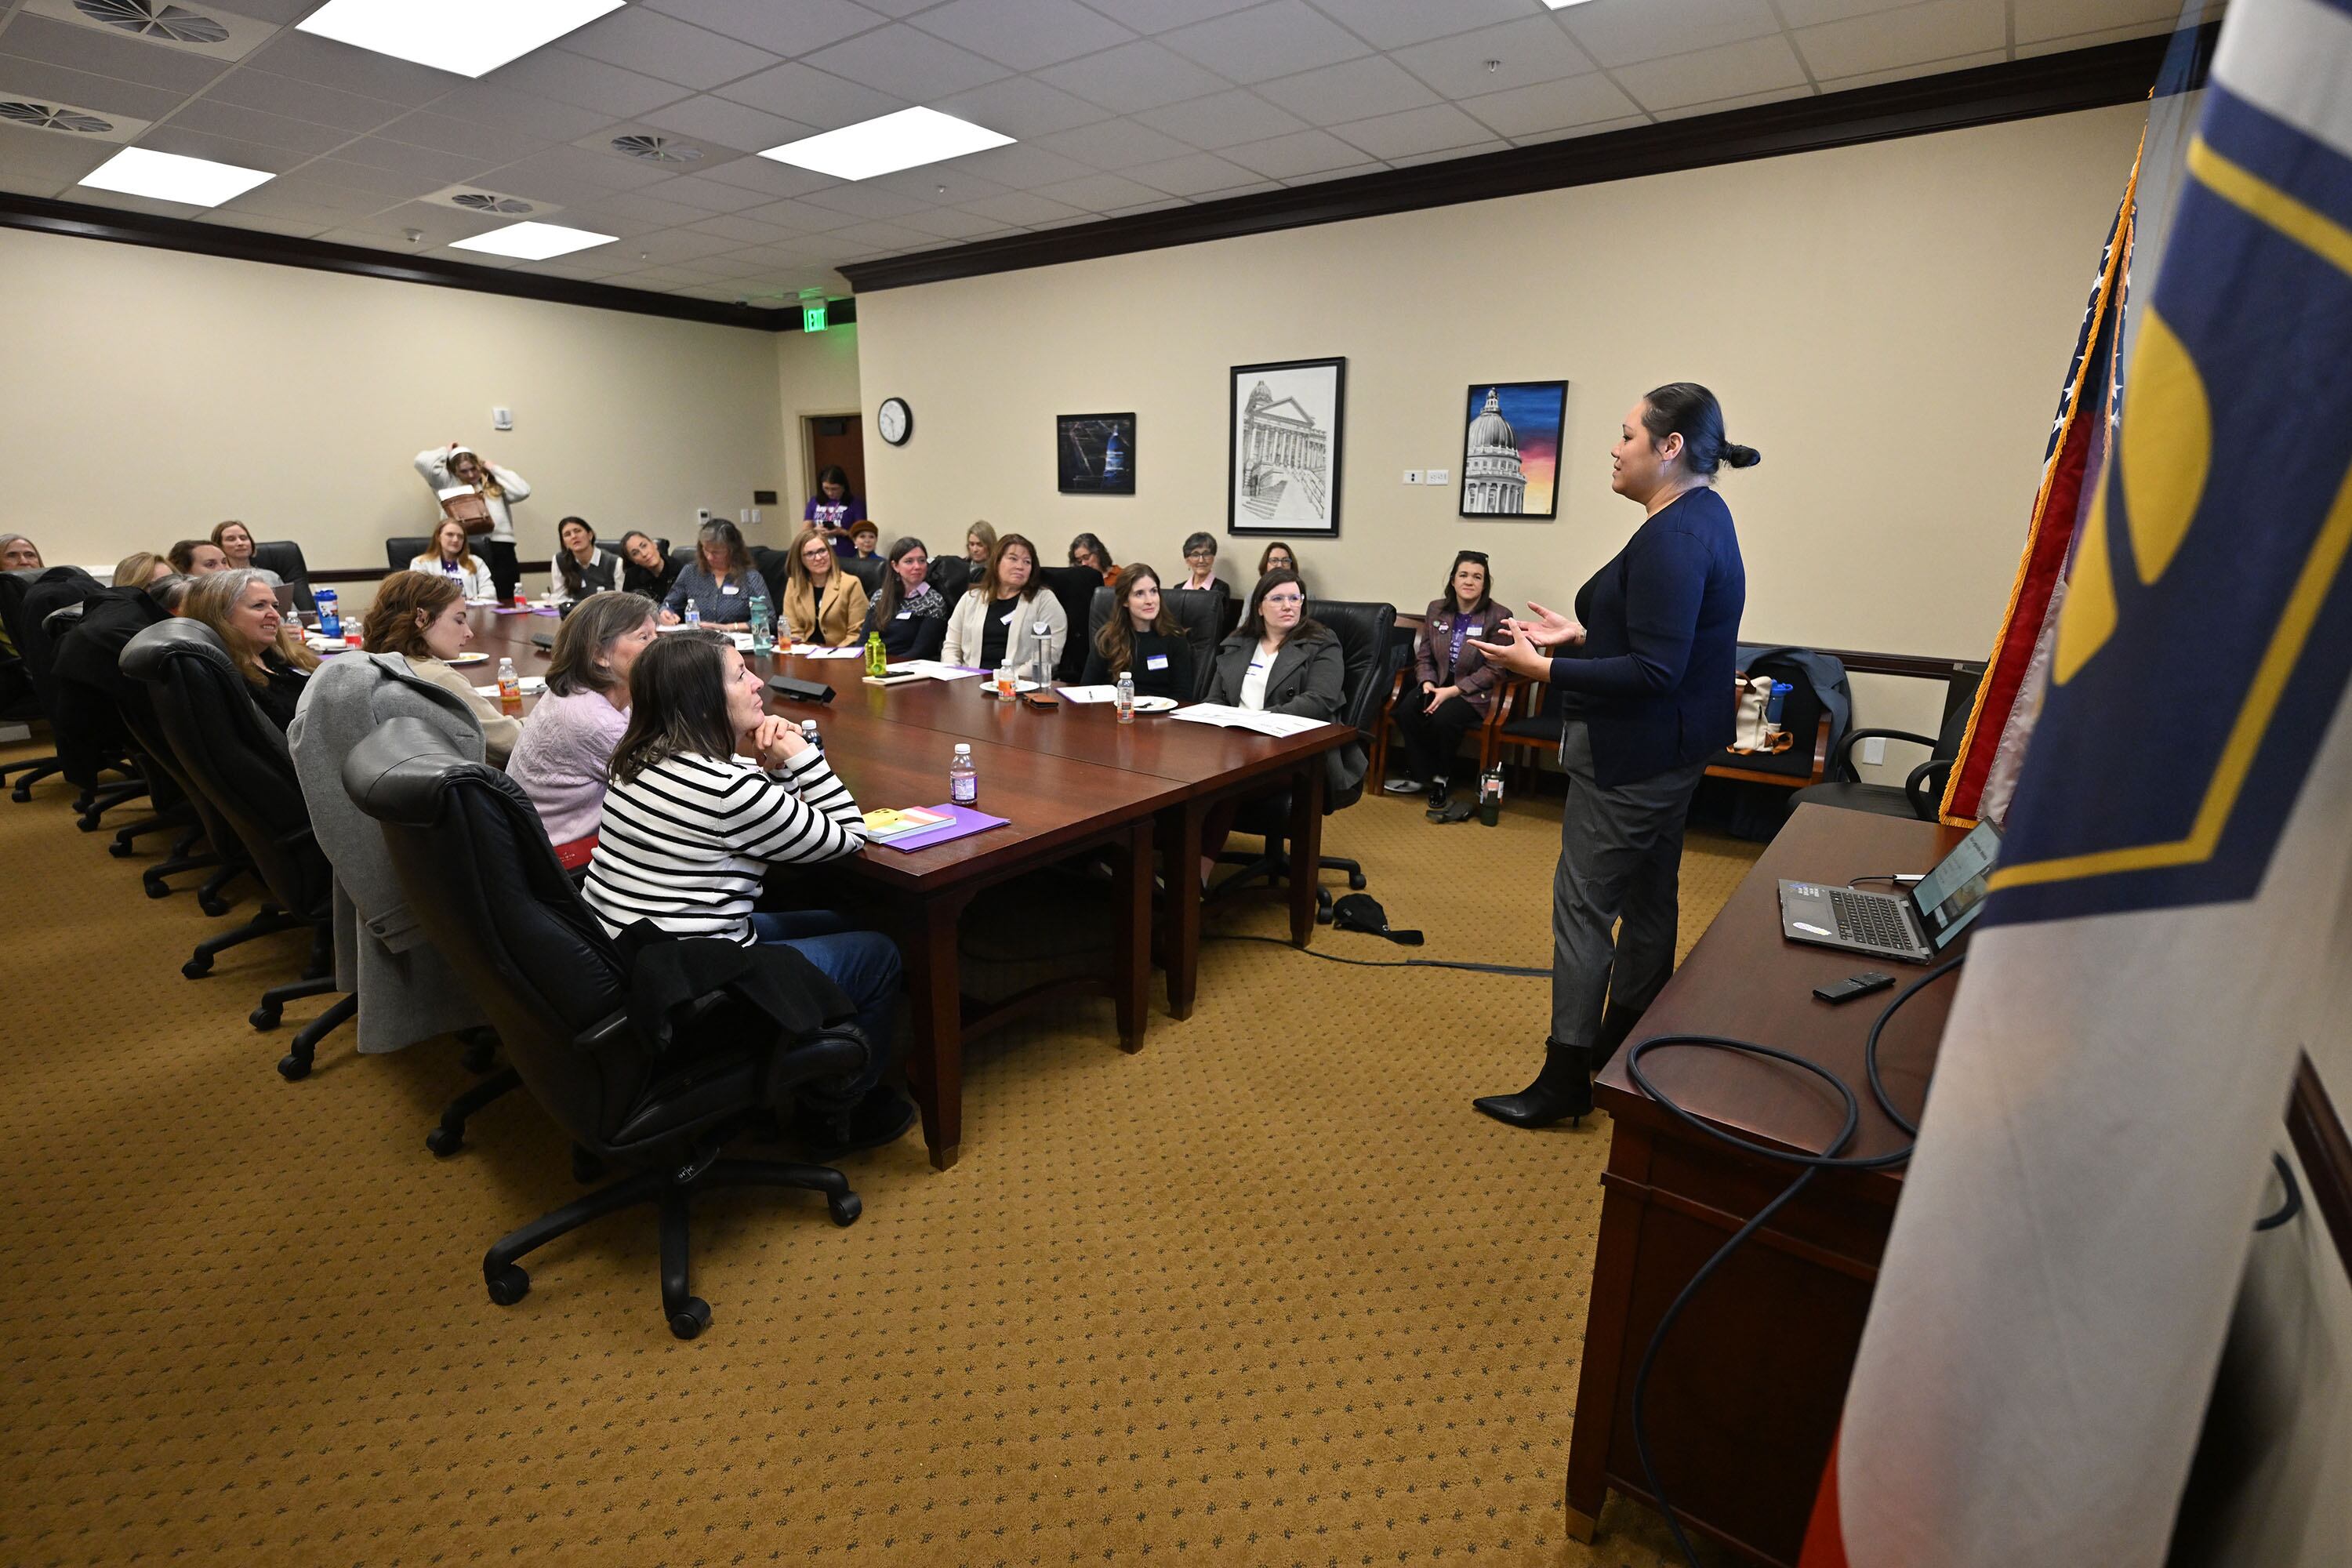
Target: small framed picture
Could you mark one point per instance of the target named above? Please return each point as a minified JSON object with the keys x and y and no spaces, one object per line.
{"x":1510,"y":448}
{"x":1094,"y":453}
{"x":1283,"y":474}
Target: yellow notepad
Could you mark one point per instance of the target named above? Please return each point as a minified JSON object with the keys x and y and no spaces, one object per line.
{"x":888,"y":824}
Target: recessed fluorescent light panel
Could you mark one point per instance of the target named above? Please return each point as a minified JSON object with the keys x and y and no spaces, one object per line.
{"x":468,"y":37}
{"x":169,"y":177}
{"x":905,"y":139}
{"x":1563,"y":5}
{"x":533,"y":241}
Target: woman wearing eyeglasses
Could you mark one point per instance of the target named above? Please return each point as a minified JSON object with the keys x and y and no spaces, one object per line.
{"x":1647,"y":675}
{"x":1454,"y":687}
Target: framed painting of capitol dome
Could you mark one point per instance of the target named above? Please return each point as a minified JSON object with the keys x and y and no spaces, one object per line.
{"x":1510,"y":448}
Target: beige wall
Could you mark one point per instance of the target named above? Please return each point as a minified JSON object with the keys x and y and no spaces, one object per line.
{"x":1888,"y":323}
{"x":816,"y":373}
{"x":150,"y":394}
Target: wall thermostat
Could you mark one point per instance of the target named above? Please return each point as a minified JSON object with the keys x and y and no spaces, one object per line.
{"x":501,"y":418}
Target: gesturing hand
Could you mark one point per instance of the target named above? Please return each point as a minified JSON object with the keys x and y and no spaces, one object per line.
{"x":1549,"y":627}
{"x":1518,"y":655}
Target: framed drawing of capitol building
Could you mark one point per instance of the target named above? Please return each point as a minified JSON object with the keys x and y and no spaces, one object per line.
{"x":1284,"y":474}
{"x":1510,"y":448}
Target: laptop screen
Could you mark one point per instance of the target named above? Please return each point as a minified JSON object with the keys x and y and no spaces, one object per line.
{"x":1948,"y":897}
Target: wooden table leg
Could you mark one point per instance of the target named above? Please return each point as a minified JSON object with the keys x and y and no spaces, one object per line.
{"x":1605,"y":1315}
{"x":1131,"y":963}
{"x":1306,"y":849}
{"x":1180,"y":915}
{"x":935,"y":992}
{"x":1581,"y":1526}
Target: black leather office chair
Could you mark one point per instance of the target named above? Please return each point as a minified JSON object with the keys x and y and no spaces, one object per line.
{"x":869,"y":570}
{"x":1921,"y":793}
{"x":953,"y":576}
{"x":238,"y":759}
{"x":1366,"y":643}
{"x":89,"y":692}
{"x":402,"y":548}
{"x":1194,"y":609}
{"x":775,"y":569}
{"x":14,"y":585}
{"x":1075,"y":588}
{"x":284,"y":557}
{"x":485,"y":886}
{"x":138,"y":708}
{"x":53,"y":607}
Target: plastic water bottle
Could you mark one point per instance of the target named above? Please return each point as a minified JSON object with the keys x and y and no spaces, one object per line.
{"x":877,"y":657}
{"x":693,"y":614}
{"x":1127,"y":697}
{"x":763,"y":630}
{"x":331,"y":617}
{"x":809,"y":733}
{"x":509,"y":687}
{"x":963,"y":776}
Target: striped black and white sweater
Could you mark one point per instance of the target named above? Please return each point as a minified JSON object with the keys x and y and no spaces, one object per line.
{"x":686,"y":843}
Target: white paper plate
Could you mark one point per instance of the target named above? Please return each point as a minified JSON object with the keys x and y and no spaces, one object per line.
{"x":471,"y":659}
{"x":1155,"y":704}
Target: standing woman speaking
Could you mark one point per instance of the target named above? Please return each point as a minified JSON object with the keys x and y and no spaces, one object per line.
{"x":1646,"y":678}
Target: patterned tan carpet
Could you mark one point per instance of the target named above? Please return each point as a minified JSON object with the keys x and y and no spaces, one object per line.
{"x":1268,"y":1291}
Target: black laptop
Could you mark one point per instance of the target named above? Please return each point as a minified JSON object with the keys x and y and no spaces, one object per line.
{"x":1913,"y":924}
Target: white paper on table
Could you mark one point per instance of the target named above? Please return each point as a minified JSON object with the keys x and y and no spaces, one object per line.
{"x":834,"y":653}
{"x":479,"y":603}
{"x":933,"y":668}
{"x":1231,"y":717}
{"x":1089,"y":693}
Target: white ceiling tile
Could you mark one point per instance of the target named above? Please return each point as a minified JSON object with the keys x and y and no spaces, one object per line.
{"x":953,"y":223}
{"x":1252,"y":188}
{"x":1026,"y":208}
{"x":1416,"y":130}
{"x":1619,"y":34}
{"x":741,"y":229}
{"x":728,"y":122}
{"x":439,"y":225}
{"x":272,"y":10}
{"x":663,"y":47}
{"x":1020,"y":168}
{"x":292,"y":196}
{"x":1447,"y":155}
{"x":800,"y":216}
{"x":789,"y":31}
{"x":254,"y":125}
{"x":1393,"y":24}
{"x":1728,"y":70}
{"x":1223,"y":119}
{"x":1287,"y":157}
{"x":1551,"y":105}
{"x":924,"y":185}
{"x":44,"y":162}
{"x":387,"y":185}
{"x":868,"y":238}
{"x":590,"y":84}
{"x":869,"y":200}
{"x":1134,"y":77}
{"x":909,"y":63}
{"x":1806,"y":13}
{"x":104,"y":94}
{"x":1194,"y":175}
{"x":308,"y":57}
{"x":425,"y":128}
{"x":1530,"y":51}
{"x":1742,"y":100}
{"x":251,"y":88}
{"x":507,"y":108}
{"x":1345,"y":172}
{"x":191,"y":143}
{"x":108,"y":53}
{"x":710,"y":195}
{"x":549,"y":191}
{"x":1907,"y":73}
{"x":1023,"y":33}
{"x":1935,"y":31}
{"x":293,"y":228}
{"x":1022,"y":108}
{"x":1119,"y":144}
{"x":2045,"y":19}
{"x":1161,"y":16}
{"x":811,"y":97}
{"x":1101,"y":193}
{"x":1278,"y":39}
{"x":2029,"y":49}
{"x":1599,"y":128}
{"x":608,"y":170}
{"x":770,"y":178}
{"x":1355,"y":90}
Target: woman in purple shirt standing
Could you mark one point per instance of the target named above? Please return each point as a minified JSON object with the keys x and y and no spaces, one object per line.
{"x":566,"y":748}
{"x":833,"y":512}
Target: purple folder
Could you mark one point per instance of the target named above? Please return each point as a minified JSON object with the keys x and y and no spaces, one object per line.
{"x":967,"y":823}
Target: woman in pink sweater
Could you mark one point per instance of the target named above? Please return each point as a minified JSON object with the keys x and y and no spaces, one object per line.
{"x":567,"y":746}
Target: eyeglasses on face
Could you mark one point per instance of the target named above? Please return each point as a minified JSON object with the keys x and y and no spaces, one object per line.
{"x":1285,"y":598}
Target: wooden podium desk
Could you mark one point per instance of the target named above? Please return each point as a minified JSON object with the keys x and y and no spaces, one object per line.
{"x":1745,"y":1399}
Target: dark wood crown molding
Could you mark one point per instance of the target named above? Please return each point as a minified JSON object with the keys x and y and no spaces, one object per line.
{"x":2018,"y":90}
{"x":40,"y":215}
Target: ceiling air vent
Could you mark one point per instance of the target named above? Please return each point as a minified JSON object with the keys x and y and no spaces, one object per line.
{"x":152,"y":19}
{"x":484,"y":202}
{"x":656,"y":149}
{"x":42,"y":117}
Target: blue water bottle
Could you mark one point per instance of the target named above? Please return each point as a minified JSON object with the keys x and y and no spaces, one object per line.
{"x":1778,"y":703}
{"x":331,"y":620}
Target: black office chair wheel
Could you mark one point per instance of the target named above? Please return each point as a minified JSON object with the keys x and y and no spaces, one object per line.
{"x":585,"y":1166}
{"x":691,"y":1319}
{"x":1356,"y":881}
{"x":446,"y":1141}
{"x":293,"y":1068}
{"x":156,"y":886}
{"x":845,"y":1209}
{"x":510,"y":1285}
{"x":266,"y":1017}
{"x":120,"y":849}
{"x":88,"y":822}
{"x":1322,"y":915}
{"x":197,"y":968}
{"x":211,"y":906}
{"x":23,"y":791}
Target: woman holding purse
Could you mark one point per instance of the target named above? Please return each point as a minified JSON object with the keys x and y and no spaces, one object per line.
{"x":495,"y":490}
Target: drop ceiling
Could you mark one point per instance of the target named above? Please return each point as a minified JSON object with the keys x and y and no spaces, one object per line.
{"x":1119,"y":107}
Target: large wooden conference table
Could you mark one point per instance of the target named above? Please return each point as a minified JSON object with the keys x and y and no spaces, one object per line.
{"x":1069,"y":780}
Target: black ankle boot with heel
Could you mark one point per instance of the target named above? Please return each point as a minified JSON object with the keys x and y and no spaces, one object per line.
{"x":1564,"y":1090}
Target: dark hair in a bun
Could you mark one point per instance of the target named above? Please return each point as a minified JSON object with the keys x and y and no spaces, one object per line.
{"x":1686,"y":408}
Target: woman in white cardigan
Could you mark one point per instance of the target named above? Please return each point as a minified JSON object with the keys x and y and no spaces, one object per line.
{"x":451,"y":557}
{"x":1008,"y":618}
{"x":499,"y":487}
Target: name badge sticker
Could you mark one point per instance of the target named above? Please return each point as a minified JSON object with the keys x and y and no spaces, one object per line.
{"x":728,"y":588}
{"x":1157,"y":661}
{"x":905,"y":616}
{"x":1008,"y":616}
{"x":1041,"y":628}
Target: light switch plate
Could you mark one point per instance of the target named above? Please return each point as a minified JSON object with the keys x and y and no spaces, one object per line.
{"x":755,"y":516}
{"x":1436,"y":475}
{"x":1874,"y":750}
{"x":501,"y":418}
{"x":701,"y":515}
{"x":1412,"y":476}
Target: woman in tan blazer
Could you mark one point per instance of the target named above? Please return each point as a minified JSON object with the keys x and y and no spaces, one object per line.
{"x":824,"y":601}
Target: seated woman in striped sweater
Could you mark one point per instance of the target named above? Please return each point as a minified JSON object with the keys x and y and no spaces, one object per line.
{"x":708,"y":792}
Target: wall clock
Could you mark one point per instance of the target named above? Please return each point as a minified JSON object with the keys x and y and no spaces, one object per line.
{"x":895,"y":420}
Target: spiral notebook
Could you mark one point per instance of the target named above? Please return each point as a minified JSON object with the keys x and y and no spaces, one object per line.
{"x":966,"y":823}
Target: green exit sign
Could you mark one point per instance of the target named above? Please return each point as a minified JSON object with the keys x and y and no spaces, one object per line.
{"x":812,"y":317}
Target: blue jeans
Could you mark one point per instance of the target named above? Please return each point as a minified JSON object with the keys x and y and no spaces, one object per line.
{"x":864,"y":964}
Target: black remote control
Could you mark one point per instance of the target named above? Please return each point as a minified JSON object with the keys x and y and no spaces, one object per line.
{"x":1854,"y":985}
